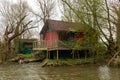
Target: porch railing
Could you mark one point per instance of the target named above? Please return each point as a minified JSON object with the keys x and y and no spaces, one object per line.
{"x":45,"y":44}
{"x":50,"y":44}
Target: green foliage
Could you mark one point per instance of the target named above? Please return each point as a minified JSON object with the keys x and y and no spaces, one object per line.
{"x":83,"y":11}
{"x":84,"y":15}
{"x":28,"y":56}
{"x":71,"y":61}
{"x":101,"y":48}
{"x":100,"y":58}
{"x":118,"y":62}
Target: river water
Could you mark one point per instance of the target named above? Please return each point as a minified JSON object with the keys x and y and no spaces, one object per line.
{"x":34,"y":71}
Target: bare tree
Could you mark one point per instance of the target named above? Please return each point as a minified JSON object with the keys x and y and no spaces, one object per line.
{"x":68,"y":14}
{"x":15,"y":22}
{"x":45,"y":9}
{"x":114,"y":20}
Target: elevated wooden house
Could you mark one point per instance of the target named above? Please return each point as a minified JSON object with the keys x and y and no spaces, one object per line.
{"x":59,"y":35}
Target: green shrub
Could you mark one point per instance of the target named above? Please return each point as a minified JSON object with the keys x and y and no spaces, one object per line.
{"x":28,"y":56}
{"x":118,"y":62}
{"x":99,"y":58}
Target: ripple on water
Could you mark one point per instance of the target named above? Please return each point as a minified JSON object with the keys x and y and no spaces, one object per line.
{"x":104,"y":73}
{"x":33,"y":71}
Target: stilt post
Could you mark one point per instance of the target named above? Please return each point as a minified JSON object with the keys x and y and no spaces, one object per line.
{"x":47,"y":54}
{"x":57,"y":54}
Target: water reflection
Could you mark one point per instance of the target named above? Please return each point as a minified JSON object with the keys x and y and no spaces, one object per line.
{"x":104,"y":73}
{"x":33,"y":71}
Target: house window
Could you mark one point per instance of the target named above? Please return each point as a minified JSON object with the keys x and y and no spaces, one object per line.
{"x":78,"y":36}
{"x":63,"y":35}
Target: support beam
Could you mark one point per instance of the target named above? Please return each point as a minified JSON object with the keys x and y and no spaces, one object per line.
{"x":73,"y":55}
{"x":57,"y":54}
{"x":47,"y":56}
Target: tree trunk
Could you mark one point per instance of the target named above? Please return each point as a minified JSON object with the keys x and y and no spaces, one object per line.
{"x":7,"y":50}
{"x":114,"y":51}
{"x":8,"y":53}
{"x":112,"y":48}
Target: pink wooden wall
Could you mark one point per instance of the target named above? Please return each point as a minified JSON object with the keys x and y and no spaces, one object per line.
{"x":51,"y":39}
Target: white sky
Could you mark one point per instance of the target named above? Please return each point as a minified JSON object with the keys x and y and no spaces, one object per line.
{"x":33,"y":5}
{"x":56,"y":16}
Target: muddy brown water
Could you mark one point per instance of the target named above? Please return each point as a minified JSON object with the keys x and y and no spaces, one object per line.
{"x":34,"y":71}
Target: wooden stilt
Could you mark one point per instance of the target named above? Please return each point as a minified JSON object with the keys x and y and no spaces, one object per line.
{"x":85,"y":55}
{"x":57,"y":54}
{"x":78,"y":56}
{"x":73,"y":56}
{"x":47,"y":54}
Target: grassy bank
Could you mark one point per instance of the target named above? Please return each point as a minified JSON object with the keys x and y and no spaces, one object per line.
{"x":62,"y":62}
{"x":28,"y":56}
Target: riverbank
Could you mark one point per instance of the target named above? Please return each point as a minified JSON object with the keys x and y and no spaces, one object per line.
{"x":29,"y":58}
{"x":25,"y":58}
{"x":69,"y":62}
{"x":98,"y":61}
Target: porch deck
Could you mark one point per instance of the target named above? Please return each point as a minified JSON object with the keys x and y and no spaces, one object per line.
{"x":51,"y":45}
{"x":58,"y":45}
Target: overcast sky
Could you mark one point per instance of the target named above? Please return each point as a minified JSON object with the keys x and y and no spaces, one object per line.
{"x":33,"y":5}
{"x":57,"y":14}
